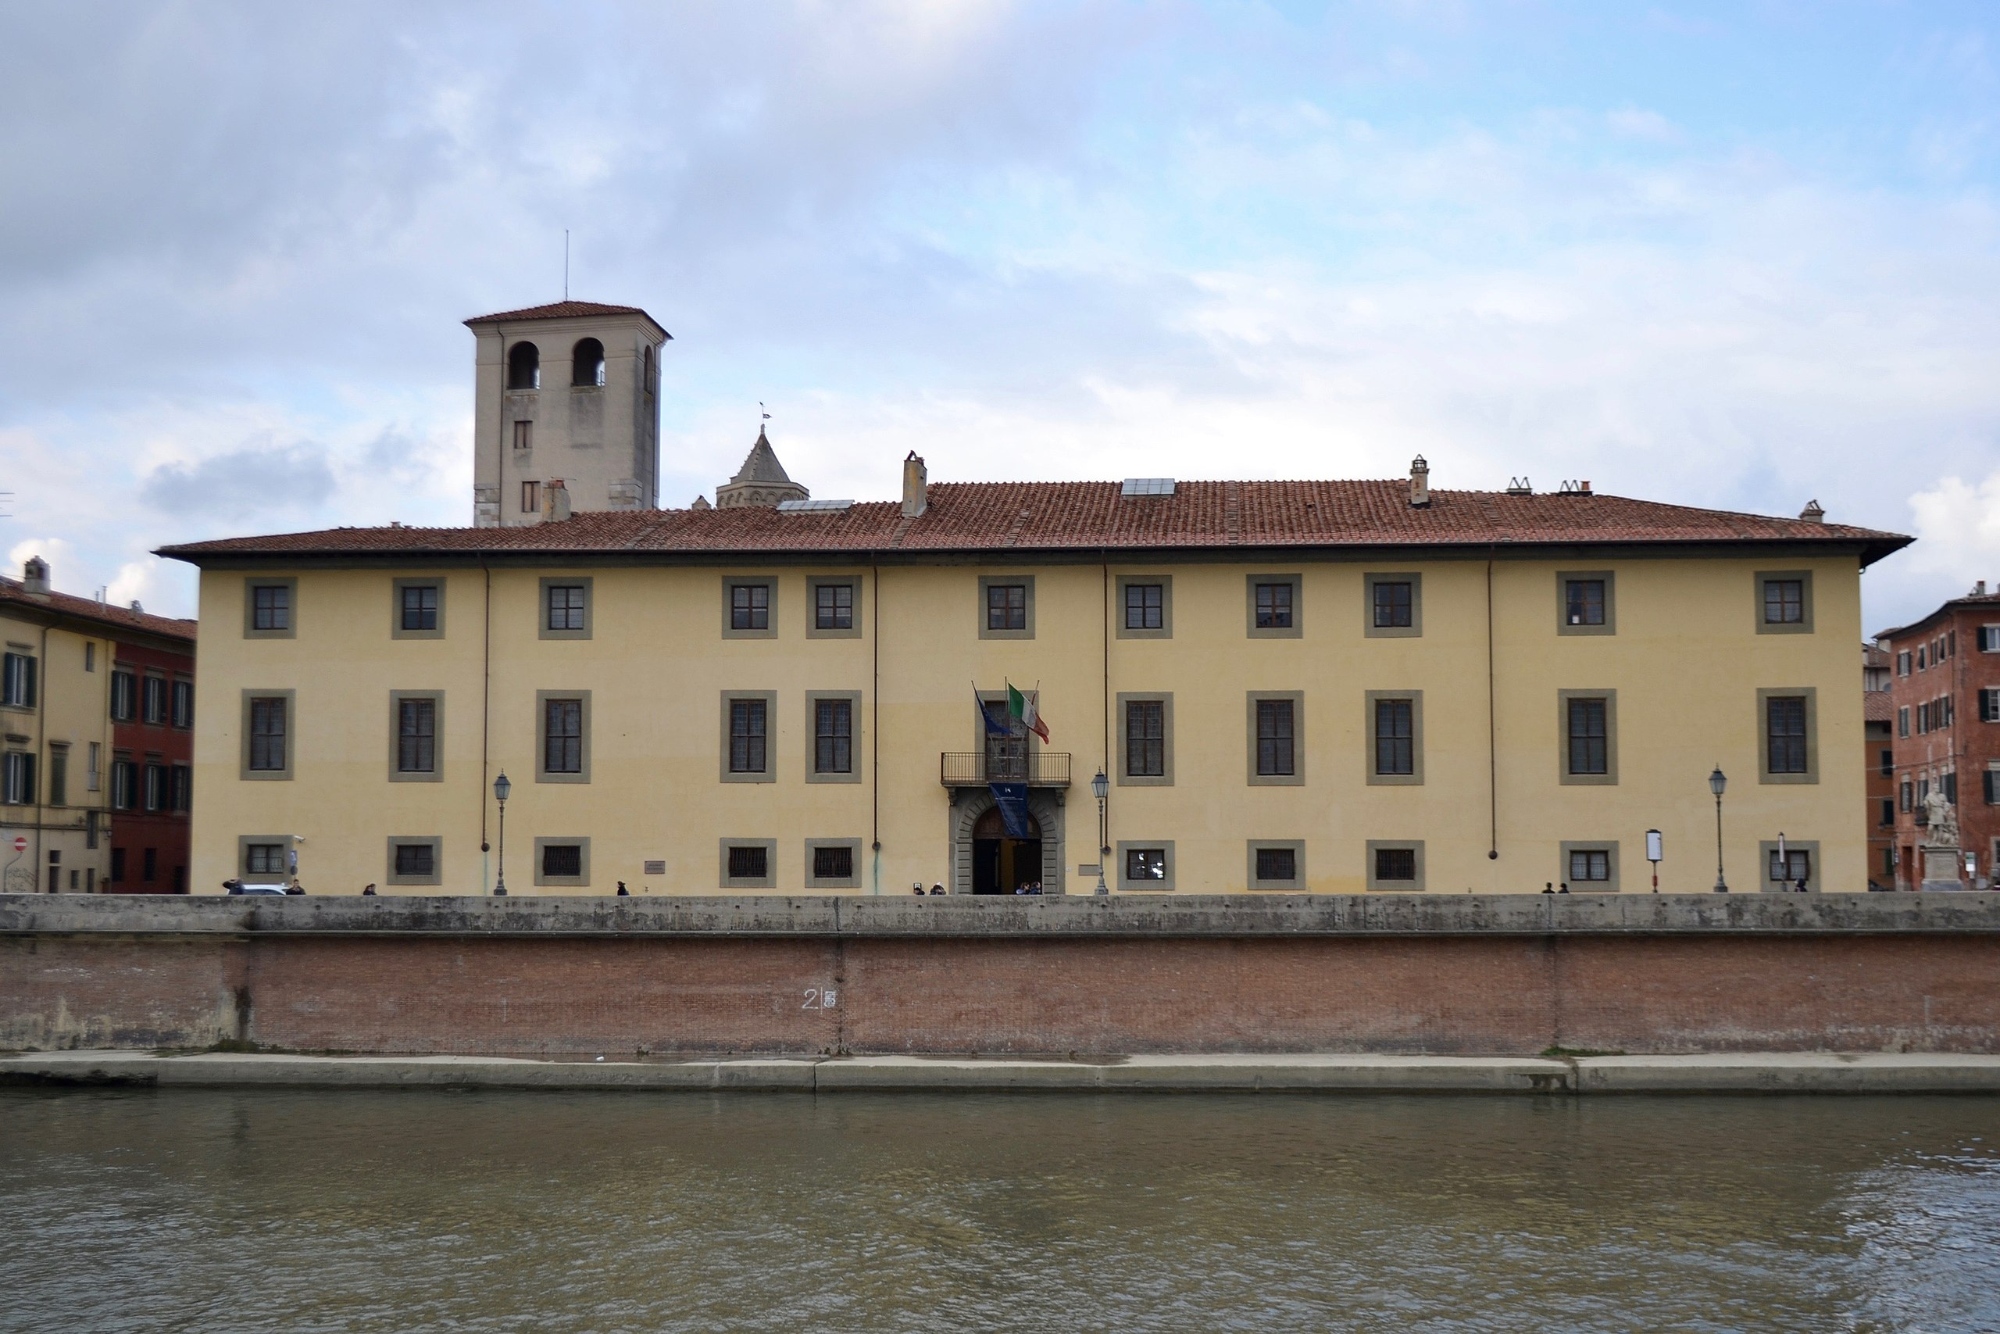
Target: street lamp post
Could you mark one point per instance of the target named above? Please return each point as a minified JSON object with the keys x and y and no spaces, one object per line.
{"x":1716,"y":783}
{"x":501,"y":787}
{"x":1101,"y":786}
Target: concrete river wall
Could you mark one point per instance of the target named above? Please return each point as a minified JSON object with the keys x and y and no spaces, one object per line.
{"x":1464,"y":974}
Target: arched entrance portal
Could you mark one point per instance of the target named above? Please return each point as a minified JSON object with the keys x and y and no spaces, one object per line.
{"x":1001,"y":864}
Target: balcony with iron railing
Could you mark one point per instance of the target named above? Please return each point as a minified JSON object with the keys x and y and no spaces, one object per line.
{"x":973,"y":768}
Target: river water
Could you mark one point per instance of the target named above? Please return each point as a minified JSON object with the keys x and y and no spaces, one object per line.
{"x":304,"y":1211}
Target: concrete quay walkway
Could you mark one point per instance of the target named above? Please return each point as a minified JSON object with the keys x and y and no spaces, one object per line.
{"x":1754,"y":1072}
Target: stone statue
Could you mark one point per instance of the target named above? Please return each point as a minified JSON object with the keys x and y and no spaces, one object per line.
{"x":1943,"y":821}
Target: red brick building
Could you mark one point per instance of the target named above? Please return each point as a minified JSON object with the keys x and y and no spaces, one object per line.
{"x":1945,"y":693}
{"x":152,"y":765}
{"x":1879,"y":763}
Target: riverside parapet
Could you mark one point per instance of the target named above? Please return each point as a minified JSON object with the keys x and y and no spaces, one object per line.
{"x":1164,"y":975}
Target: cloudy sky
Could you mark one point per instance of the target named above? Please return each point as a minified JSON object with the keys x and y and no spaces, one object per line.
{"x":1740,"y":255}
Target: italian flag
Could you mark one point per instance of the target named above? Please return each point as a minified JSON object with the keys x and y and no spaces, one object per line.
{"x":1025,"y":708}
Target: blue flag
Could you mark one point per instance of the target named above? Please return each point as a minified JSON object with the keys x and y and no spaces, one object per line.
{"x":1012,"y":799}
{"x":993,"y":728}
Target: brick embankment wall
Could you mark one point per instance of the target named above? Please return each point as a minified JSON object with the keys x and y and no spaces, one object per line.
{"x":798,"y":976}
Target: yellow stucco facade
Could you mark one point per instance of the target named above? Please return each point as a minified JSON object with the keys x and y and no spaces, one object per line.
{"x":1488,"y":664}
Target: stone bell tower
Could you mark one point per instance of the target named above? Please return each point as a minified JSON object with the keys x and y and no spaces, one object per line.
{"x":567,"y":416}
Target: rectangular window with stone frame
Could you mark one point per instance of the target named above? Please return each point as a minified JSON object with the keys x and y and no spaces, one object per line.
{"x":833,"y":735}
{"x":1145,"y":738}
{"x":748,"y":736}
{"x":562,"y":736}
{"x":270,"y":725}
{"x":1275,"y":737}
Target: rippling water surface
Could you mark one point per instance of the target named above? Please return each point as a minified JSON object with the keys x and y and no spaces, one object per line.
{"x":304,"y":1211}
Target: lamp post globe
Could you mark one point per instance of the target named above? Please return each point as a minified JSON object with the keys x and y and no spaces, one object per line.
{"x":1717,"y":781}
{"x":1100,"y":786}
{"x":501,"y":787}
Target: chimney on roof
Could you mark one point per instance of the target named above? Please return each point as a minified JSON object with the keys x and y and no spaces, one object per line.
{"x":916,"y":487}
{"x":555,"y":501}
{"x":1520,"y":486}
{"x":1420,"y":483}
{"x":1979,"y":589}
{"x":1812,"y":513}
{"x":136,"y":606}
{"x":35,"y":577}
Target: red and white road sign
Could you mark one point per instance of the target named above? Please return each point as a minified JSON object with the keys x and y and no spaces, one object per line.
{"x":20,"y":843}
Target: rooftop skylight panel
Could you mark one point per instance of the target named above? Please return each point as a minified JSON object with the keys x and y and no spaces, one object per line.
{"x":1148,"y":486}
{"x":812,"y":506}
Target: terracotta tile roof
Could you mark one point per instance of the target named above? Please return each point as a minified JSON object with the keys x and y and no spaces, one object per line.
{"x":110,"y":615}
{"x":1086,"y":517}
{"x":559,"y":310}
{"x":1877,"y":707}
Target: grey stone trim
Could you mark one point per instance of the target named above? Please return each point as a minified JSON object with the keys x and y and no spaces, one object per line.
{"x":243,"y":842}
{"x":284,"y":775}
{"x":1145,"y":886}
{"x":542,"y":697}
{"x":436,"y":773}
{"x":1415,"y":629}
{"x":1610,"y":846}
{"x":732,"y":582}
{"x":255,"y":581}
{"x":1810,"y":846}
{"x":1805,"y":577}
{"x":769,"y":880}
{"x":589,"y":606}
{"x":1296,"y":884}
{"x":396,"y":630}
{"x":769,"y":773}
{"x":1166,"y":699}
{"x":581,"y":881}
{"x":987,"y":581}
{"x":1375,"y":844}
{"x":1166,"y":586}
{"x":436,"y":877}
{"x":1415,"y":778}
{"x":1610,"y":626}
{"x":814,"y":582}
{"x":856,"y":756}
{"x":1764,"y":696}
{"x":1297,"y":777}
{"x":832,"y":882}
{"x":1609,"y":778}
{"x":1297,"y":628}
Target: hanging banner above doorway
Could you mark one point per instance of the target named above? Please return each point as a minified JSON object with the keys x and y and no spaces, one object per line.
{"x":1012,"y":799}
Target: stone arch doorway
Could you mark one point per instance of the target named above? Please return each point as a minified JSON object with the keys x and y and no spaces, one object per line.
{"x":985,"y":861}
{"x":1001,"y":864}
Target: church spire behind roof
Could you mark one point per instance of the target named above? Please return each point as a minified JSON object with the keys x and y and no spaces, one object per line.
{"x":761,"y":480}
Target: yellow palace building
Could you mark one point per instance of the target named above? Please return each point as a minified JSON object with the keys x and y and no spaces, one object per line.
{"x":1323,"y":686}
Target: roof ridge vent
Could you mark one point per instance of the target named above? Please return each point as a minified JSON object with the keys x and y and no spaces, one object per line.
{"x":1520,"y":486}
{"x":1147,"y":486}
